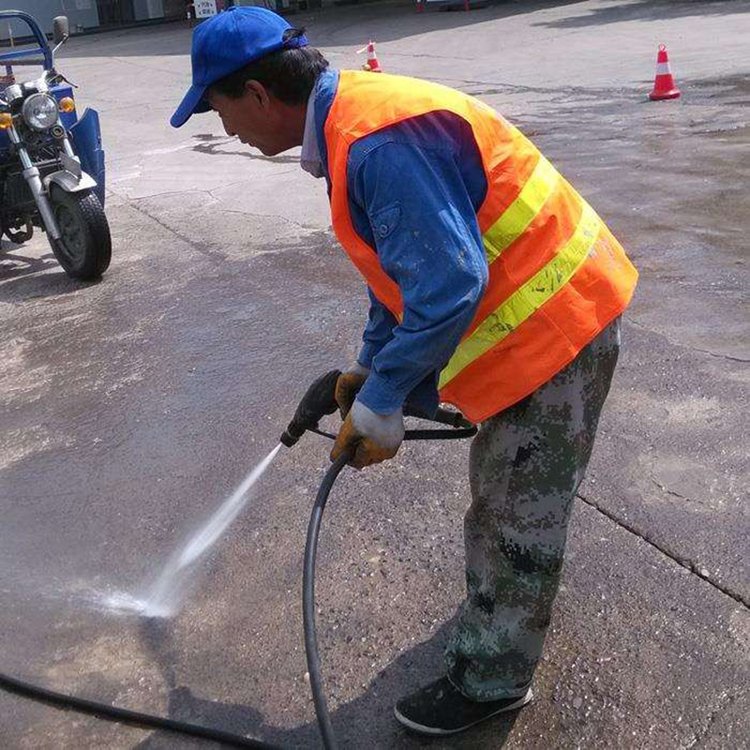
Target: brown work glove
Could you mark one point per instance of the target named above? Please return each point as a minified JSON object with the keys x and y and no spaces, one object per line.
{"x":370,"y":437}
{"x":347,"y":387}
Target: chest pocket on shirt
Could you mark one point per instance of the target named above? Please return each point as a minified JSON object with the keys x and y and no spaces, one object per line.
{"x":385,"y":221}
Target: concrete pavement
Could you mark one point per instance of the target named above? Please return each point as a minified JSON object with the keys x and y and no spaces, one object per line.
{"x":132,"y":407}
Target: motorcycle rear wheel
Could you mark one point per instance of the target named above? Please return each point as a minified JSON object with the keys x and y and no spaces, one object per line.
{"x":84,"y":249}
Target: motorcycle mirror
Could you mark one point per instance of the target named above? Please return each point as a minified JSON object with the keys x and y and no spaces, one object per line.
{"x":60,"y":29}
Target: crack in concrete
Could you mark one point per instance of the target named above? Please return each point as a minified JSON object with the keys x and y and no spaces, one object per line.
{"x":419,"y":55}
{"x":720,"y":356}
{"x":644,"y":327}
{"x":711,"y":720}
{"x":278,"y":217}
{"x":178,"y":76}
{"x":666,"y":489}
{"x":132,"y":201}
{"x":226,"y":186}
{"x":197,"y":246}
{"x":683,"y":562}
{"x":561,"y":92}
{"x":253,"y":214}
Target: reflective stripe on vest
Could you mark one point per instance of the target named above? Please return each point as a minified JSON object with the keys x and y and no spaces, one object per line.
{"x":528,"y":299}
{"x":557,"y":276}
{"x":514,"y":221}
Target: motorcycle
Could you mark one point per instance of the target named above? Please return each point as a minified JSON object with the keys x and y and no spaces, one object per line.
{"x":51,"y":161}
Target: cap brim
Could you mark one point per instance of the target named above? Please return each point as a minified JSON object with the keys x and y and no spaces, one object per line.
{"x":192,"y":103}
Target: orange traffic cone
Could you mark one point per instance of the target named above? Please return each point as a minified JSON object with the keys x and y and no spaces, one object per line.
{"x":664,"y":85}
{"x":372,"y":63}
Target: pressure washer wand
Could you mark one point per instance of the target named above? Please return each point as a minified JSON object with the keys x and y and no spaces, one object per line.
{"x":318,"y":401}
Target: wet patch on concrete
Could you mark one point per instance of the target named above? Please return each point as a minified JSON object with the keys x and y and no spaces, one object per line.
{"x":728,"y":89}
{"x":666,"y":176}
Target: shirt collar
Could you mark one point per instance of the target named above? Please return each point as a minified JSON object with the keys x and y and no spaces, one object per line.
{"x":309,"y":158}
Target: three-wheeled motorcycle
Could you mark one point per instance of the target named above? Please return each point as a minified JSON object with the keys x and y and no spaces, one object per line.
{"x":51,"y":161}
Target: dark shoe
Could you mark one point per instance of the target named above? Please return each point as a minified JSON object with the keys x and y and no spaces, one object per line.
{"x":440,"y":708}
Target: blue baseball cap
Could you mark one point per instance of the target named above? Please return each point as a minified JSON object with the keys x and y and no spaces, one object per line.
{"x":226,"y":42}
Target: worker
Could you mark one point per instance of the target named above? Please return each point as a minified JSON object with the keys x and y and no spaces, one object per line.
{"x":493,"y":287}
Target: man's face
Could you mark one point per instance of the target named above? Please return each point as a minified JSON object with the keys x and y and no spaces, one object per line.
{"x":253,"y":118}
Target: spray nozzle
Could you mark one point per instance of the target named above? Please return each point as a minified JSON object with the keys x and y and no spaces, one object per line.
{"x":319,"y":400}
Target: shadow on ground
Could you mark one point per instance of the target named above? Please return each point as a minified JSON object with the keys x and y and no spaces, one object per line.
{"x":646,"y":10}
{"x":21,"y":276}
{"x":366,"y":721}
{"x":16,"y":268}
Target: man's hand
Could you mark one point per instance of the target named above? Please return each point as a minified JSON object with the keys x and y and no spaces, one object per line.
{"x":347,"y":387}
{"x":370,"y":437}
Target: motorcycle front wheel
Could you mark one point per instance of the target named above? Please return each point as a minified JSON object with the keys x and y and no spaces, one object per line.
{"x":85,"y":245}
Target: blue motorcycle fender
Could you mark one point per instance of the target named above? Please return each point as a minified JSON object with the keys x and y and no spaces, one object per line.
{"x":87,"y":144}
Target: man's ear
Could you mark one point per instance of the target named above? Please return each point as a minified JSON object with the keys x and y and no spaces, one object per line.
{"x":258,"y":92}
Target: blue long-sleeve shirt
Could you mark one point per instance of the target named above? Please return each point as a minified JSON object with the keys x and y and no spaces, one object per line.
{"x":414,"y":191}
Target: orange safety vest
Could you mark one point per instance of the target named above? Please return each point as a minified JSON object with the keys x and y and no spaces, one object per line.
{"x":557,"y":275}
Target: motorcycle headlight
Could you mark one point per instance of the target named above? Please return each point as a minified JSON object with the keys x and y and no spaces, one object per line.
{"x":40,"y":111}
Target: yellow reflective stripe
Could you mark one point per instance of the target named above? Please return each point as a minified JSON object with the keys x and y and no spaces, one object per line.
{"x":528,"y":298}
{"x":517,"y":217}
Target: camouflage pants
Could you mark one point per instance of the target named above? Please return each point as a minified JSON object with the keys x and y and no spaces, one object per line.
{"x":525,"y":466}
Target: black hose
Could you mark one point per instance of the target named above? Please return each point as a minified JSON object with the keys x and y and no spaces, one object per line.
{"x":308,"y":575}
{"x":308,"y":601}
{"x":125,"y":716}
